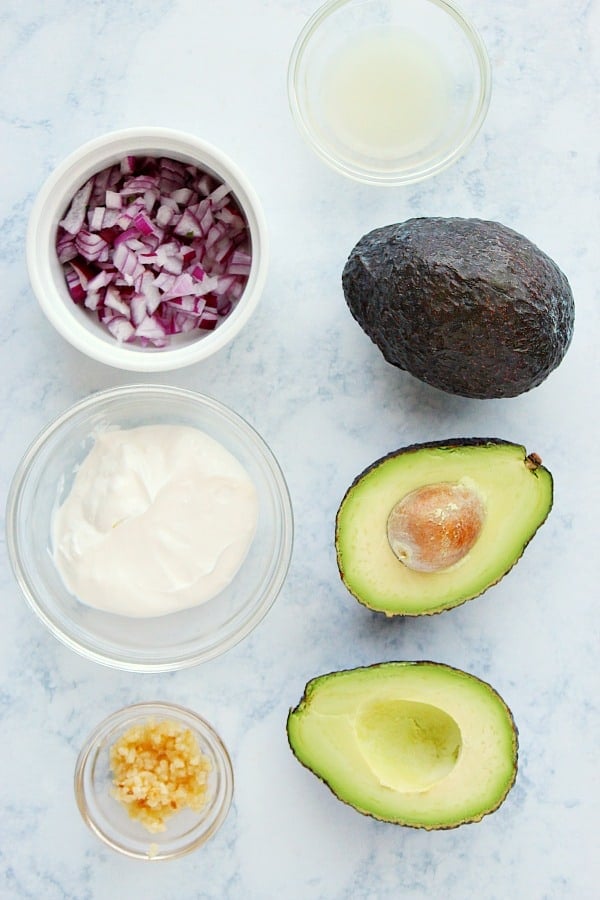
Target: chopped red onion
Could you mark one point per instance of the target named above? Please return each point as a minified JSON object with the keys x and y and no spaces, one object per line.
{"x":102,"y":279}
{"x":92,"y":300}
{"x":96,"y":218}
{"x":76,"y":290}
{"x":182,"y":196}
{"x":154,"y":247}
{"x":209,"y":319}
{"x":113,"y":200}
{"x":164,"y":215}
{"x":188,"y":226}
{"x":128,"y":165}
{"x":65,"y":247}
{"x":75,"y":217}
{"x":112,"y":300}
{"x":120,"y":328}
{"x":143,"y":223}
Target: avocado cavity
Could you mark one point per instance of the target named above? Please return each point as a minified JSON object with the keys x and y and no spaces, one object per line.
{"x":408,"y":746}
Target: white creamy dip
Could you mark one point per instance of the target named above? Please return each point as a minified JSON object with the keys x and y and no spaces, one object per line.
{"x":159,"y":518}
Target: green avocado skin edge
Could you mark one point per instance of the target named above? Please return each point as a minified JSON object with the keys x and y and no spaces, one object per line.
{"x":468,"y":306}
{"x":312,"y":688}
{"x":535,"y":469}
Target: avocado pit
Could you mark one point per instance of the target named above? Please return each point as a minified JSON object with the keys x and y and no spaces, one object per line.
{"x":435,"y":526}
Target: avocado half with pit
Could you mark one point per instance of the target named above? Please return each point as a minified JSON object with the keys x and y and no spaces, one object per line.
{"x":468,"y":306}
{"x":413,"y":743}
{"x":432,"y":525}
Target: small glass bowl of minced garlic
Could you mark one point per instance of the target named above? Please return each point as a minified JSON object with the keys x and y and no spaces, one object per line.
{"x":154,"y":781}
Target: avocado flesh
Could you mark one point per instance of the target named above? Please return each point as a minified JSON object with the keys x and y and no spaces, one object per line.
{"x":418,"y":744}
{"x":468,"y":306}
{"x":516,"y":492}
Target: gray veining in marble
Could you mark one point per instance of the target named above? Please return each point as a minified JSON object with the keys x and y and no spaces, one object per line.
{"x":309,"y":380}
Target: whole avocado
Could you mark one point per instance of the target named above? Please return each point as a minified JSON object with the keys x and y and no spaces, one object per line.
{"x":468,"y":306}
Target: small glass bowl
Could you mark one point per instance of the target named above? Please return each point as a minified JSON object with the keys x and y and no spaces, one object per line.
{"x":344,"y":71}
{"x":186,"y":830}
{"x":44,"y":478}
{"x":82,"y":328}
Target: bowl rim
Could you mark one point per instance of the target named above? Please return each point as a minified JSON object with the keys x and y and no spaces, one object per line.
{"x":125,"y":717}
{"x":75,"y":168}
{"x":122,"y":661}
{"x":354,"y":171}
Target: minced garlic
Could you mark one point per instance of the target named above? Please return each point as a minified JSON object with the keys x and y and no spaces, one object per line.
{"x":158,"y":769}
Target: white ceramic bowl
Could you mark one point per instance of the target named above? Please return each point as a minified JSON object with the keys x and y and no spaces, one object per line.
{"x":79,"y":326}
{"x":44,"y":478}
{"x":106,"y":817}
{"x":389,"y":91}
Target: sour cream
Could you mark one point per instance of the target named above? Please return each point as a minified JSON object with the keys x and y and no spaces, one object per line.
{"x":159,"y":518}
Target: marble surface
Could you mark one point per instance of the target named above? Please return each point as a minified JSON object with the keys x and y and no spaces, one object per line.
{"x":309,"y":380}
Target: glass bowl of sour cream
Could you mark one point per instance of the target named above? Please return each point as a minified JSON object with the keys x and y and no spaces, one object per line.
{"x":149,"y":527}
{"x":389,"y":91}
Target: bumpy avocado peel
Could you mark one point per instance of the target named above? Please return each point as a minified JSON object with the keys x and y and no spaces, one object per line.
{"x":468,"y":306}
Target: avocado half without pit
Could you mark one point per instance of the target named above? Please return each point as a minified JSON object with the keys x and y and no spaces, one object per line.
{"x":419,"y":744}
{"x":432,"y":525}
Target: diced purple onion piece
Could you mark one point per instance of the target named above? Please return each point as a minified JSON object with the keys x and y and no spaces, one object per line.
{"x":113,"y":200}
{"x":96,"y":218}
{"x":128,"y":165}
{"x":164,"y":215}
{"x":208,"y":320}
{"x":143,"y":223}
{"x":120,"y":328}
{"x":75,"y":217}
{"x":182,"y":196}
{"x":154,"y":247}
{"x":188,"y":225}
{"x":93,"y":300}
{"x":102,"y":279}
{"x":75,"y":288}
{"x":65,"y":246}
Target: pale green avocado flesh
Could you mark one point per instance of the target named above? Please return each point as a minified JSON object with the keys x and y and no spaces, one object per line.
{"x":417,"y":744}
{"x":516,"y":493}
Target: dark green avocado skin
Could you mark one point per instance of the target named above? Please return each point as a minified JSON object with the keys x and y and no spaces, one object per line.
{"x":467,"y":306}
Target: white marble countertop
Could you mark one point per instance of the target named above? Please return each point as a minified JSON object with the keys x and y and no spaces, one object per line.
{"x":311,"y":382}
